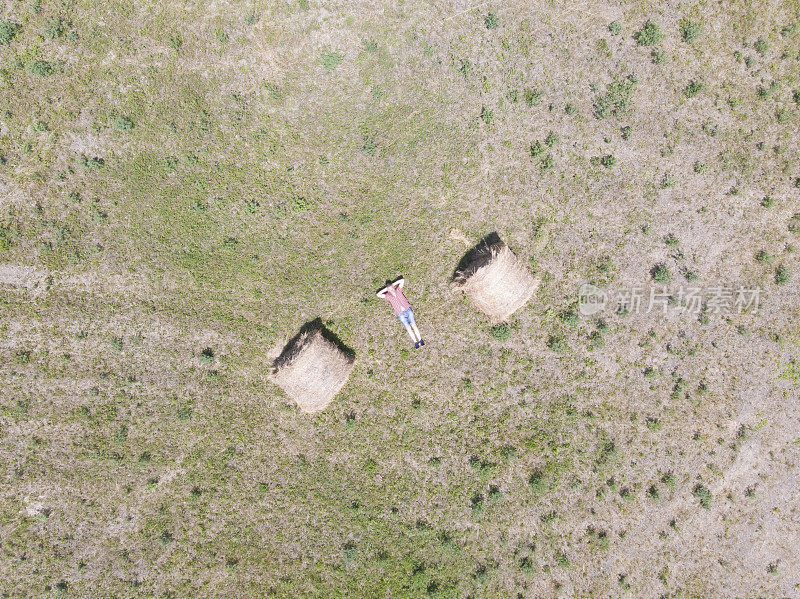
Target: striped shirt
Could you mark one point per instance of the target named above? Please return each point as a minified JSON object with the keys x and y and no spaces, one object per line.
{"x":397,"y":299}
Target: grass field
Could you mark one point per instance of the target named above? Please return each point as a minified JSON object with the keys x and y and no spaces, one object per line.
{"x":184,"y":185}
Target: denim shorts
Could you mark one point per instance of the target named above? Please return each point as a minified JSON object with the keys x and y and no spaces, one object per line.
{"x":407,"y":317}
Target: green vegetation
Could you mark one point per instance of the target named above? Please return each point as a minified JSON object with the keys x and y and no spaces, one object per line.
{"x":40,"y":68}
{"x":332,"y":60}
{"x":533,"y":97}
{"x":693,"y":89}
{"x":617,"y":101}
{"x":8,"y":31}
{"x":690,"y":30}
{"x":501,"y":332}
{"x":122,"y":123}
{"x":186,"y":186}
{"x":782,"y":275}
{"x":703,"y":495}
{"x":661,"y":274}
{"x":650,"y":35}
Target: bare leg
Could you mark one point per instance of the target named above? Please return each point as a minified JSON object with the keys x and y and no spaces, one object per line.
{"x":410,"y":333}
{"x":416,"y":332}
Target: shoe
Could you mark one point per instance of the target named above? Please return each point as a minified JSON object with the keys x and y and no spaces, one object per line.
{"x":416,"y":345}
{"x":421,"y":343}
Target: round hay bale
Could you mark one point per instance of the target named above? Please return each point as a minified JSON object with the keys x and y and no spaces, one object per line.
{"x":312,"y":369}
{"x":496,"y":281}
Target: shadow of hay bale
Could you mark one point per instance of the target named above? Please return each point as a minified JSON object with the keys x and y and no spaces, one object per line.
{"x":313,"y":367}
{"x":495,"y":280}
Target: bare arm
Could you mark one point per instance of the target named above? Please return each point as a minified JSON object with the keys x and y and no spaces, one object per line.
{"x":401,"y":283}
{"x":382,"y":293}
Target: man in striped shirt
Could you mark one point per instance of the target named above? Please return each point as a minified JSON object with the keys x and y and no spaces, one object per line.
{"x":394,"y":295}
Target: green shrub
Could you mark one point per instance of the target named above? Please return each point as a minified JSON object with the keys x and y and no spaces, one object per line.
{"x":551,"y":139}
{"x":538,"y":483}
{"x":465,"y":68}
{"x":476,"y":503}
{"x":332,"y":60}
{"x":596,"y":340}
{"x":782,"y":275}
{"x":768,"y":202}
{"x":40,"y":68}
{"x":782,"y":116}
{"x":175,"y":42}
{"x":616,"y":101}
{"x":556,"y":345}
{"x":615,"y":28}
{"x":608,"y":161}
{"x":690,"y":30}
{"x":661,"y":274}
{"x":122,"y":123}
{"x":680,"y":390}
{"x":693,"y":89}
{"x":671,"y":241}
{"x":626,"y":132}
{"x":659,"y":57}
{"x":207,"y":356}
{"x":487,"y":115}
{"x":370,"y":147}
{"x":116,"y":343}
{"x":790,"y":30}
{"x":55,"y":29}
{"x":513,"y":96}
{"x":537,"y":149}
{"x":649,"y":35}
{"x":492,"y":21}
{"x":570,"y":109}
{"x":547,"y":163}
{"x":703,"y":495}
{"x":700,"y":168}
{"x":92,"y":164}
{"x":569,"y":317}
{"x":761,"y":46}
{"x":299,"y":204}
{"x":221,"y":36}
{"x":764,"y":257}
{"x":765,"y":93}
{"x":501,"y":332}
{"x":533,"y":97}
{"x":8,"y":31}
{"x":22,"y":358}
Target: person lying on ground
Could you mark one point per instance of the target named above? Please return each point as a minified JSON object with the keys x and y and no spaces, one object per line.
{"x":393,"y":293}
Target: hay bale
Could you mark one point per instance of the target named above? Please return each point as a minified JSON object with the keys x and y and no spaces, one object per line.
{"x":496,"y":281}
{"x":312,"y":369}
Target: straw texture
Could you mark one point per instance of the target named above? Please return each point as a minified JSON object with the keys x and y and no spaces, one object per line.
{"x":312,"y":370}
{"x":496,"y":281}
